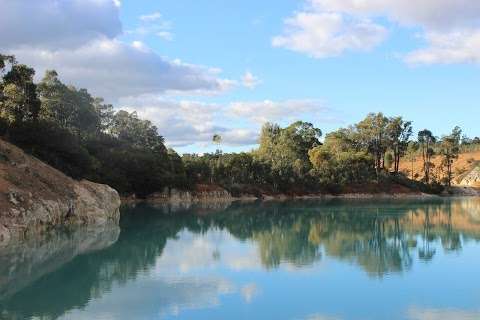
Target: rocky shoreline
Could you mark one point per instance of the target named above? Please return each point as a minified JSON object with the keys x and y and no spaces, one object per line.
{"x":217,"y":194}
{"x":35,"y":197}
{"x":176,"y":197}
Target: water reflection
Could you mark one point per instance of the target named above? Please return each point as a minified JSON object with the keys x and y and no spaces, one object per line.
{"x":381,"y":237}
{"x":137,"y":275}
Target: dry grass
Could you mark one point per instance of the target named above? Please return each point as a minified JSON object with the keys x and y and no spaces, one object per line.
{"x":464,"y":164}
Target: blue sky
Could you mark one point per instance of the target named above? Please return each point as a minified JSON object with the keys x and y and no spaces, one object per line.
{"x":329,"y":62}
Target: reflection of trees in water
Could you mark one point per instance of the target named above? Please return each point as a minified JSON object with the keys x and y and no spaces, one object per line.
{"x":291,"y":245}
{"x":141,"y":241}
{"x":376,"y":243}
{"x":381,"y":238}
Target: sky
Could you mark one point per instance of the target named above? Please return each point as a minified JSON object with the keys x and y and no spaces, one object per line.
{"x":196,"y":68}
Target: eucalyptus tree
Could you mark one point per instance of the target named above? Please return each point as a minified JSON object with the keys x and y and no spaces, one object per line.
{"x":426,"y":141}
{"x":372,"y":133}
{"x":142,"y":134}
{"x":6,"y":60}
{"x":19,"y":100}
{"x":411,"y":153}
{"x":399,"y":133}
{"x":450,"y":149}
{"x":68,"y":107}
{"x":286,"y":150}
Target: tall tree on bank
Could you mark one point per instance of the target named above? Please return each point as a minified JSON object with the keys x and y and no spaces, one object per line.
{"x":412,"y":151}
{"x":373,"y":133}
{"x":426,"y":141}
{"x":450,"y":149}
{"x":399,"y":133}
{"x":72,"y":109}
{"x":285,"y":150}
{"x":217,"y":140}
{"x":141,"y":134}
{"x":19,"y":101}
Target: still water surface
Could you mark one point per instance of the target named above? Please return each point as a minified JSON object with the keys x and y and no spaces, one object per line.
{"x":306,"y":260}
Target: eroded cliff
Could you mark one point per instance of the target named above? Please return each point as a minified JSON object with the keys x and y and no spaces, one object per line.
{"x":35,"y":196}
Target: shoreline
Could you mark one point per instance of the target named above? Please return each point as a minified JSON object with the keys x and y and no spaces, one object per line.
{"x":283,"y":197}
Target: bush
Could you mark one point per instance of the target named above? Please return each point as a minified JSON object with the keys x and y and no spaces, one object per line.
{"x":56,"y":146}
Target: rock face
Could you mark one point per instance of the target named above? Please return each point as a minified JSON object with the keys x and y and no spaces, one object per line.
{"x":472,"y":179}
{"x":35,"y":196}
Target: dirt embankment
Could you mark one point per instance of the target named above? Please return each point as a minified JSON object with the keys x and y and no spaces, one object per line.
{"x":35,"y":196}
{"x":462,"y":166}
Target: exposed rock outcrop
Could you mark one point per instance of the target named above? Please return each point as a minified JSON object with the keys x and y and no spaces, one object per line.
{"x":35,"y":196}
{"x":472,"y":179}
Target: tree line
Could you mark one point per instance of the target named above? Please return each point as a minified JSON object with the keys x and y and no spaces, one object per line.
{"x":86,"y":138}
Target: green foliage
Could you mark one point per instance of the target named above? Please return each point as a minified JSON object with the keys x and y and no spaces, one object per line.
{"x":285,"y":150}
{"x":70,"y":108}
{"x":84,"y":137}
{"x":341,"y":168}
{"x":55,"y":145}
{"x":426,"y":141}
{"x":399,"y":133}
{"x":450,"y":149}
{"x":18,"y":99}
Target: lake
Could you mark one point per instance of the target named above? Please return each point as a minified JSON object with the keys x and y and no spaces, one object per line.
{"x":299,"y":260}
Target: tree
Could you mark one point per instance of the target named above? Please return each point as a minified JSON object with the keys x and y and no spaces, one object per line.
{"x":389,"y":161}
{"x":449,"y":149}
{"x":305,"y":136}
{"x":105,"y":114}
{"x":399,"y":132}
{"x":411,"y":152}
{"x":426,"y":141}
{"x":348,"y":167}
{"x":6,"y":59}
{"x":286,"y":151}
{"x":70,"y":108}
{"x":217,"y":139}
{"x":56,"y":100}
{"x":19,"y":101}
{"x":372,"y":133}
{"x":137,"y":132}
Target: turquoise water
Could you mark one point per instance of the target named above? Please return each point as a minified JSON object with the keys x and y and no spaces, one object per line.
{"x":305,"y":260}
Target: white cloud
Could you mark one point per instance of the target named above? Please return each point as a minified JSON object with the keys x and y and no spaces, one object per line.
{"x":323,"y":35}
{"x":250,"y":81}
{"x":160,"y":296}
{"x":281,"y":111}
{"x":79,"y":39}
{"x":447,"y":48}
{"x":113,"y":69}
{"x":51,"y":23}
{"x":436,"y":14}
{"x":327,"y":28}
{"x":151,"y":17}
{"x":153,"y":24}
{"x":185,"y":123}
{"x":165,"y":35}
{"x":216,"y":249}
{"x":441,"y":314}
